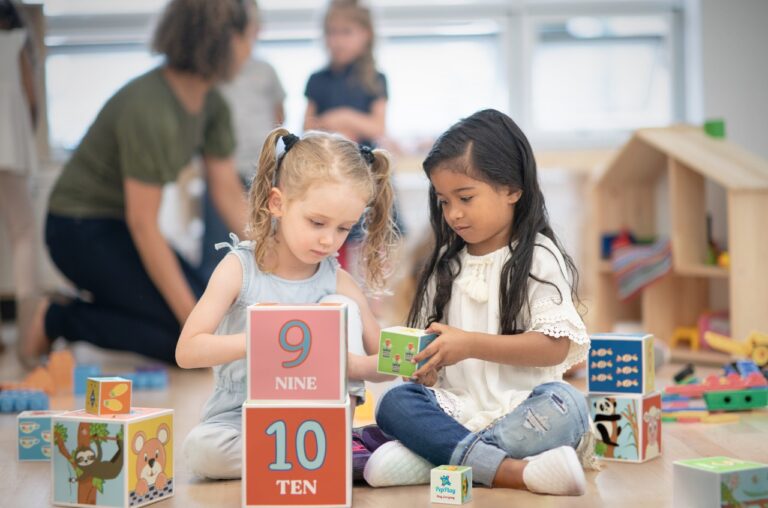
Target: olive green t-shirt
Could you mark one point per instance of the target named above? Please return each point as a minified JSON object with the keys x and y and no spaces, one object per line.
{"x":142,"y":132}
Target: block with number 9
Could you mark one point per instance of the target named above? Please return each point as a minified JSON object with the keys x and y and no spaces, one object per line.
{"x":297,"y":454}
{"x":297,"y":352}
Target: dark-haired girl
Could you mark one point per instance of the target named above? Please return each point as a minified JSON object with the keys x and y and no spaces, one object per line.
{"x":499,"y":290}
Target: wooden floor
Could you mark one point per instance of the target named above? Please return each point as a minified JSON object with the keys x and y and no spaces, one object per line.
{"x":27,"y":484}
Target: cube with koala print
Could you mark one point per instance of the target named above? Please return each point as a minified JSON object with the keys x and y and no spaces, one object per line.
{"x":123,"y":460}
{"x":627,"y":427}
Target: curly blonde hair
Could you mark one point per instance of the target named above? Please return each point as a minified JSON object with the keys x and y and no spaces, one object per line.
{"x":195,"y":36}
{"x":324,"y":157}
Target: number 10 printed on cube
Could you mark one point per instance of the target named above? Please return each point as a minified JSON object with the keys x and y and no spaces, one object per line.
{"x":297,"y":352}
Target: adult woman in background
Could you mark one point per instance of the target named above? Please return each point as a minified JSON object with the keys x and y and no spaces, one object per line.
{"x":102,"y":228}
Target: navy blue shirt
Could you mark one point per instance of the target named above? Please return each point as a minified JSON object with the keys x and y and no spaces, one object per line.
{"x":329,"y":89}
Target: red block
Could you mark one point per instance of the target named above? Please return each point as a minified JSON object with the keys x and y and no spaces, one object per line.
{"x":297,"y":352}
{"x":297,"y":454}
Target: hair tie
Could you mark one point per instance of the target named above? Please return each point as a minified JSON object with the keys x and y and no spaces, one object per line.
{"x":288,"y":141}
{"x":367,"y":154}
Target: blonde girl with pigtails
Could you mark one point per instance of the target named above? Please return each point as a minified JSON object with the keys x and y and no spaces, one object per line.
{"x":306,"y":195}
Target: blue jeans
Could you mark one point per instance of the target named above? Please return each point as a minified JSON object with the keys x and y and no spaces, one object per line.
{"x":126,"y":311}
{"x":555,"y":414}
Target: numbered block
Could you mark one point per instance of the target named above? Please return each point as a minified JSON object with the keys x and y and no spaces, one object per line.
{"x":397,"y":347}
{"x":297,"y":352}
{"x":34,"y":435}
{"x":122,"y":460}
{"x":451,"y":484}
{"x":715,"y":482}
{"x":108,"y":395}
{"x":621,"y":363}
{"x":627,"y":427}
{"x":297,"y":454}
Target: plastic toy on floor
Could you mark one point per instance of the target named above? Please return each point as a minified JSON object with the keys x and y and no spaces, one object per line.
{"x":16,"y":401}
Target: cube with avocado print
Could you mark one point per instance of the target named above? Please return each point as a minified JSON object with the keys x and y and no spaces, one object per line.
{"x":719,"y":482}
{"x":108,"y":396}
{"x":397,"y":347}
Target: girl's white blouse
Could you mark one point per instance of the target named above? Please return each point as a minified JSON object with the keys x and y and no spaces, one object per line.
{"x":477,"y":392}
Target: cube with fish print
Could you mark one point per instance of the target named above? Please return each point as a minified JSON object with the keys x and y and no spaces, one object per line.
{"x":621,"y":363}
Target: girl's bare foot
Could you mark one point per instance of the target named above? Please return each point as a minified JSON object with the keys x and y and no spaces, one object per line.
{"x":34,"y":342}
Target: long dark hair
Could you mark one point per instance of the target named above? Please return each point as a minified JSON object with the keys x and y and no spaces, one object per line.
{"x":490,"y":147}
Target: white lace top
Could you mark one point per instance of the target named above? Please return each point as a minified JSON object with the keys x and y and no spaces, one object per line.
{"x":476,"y":392}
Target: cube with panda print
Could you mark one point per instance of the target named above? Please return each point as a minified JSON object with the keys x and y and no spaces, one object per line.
{"x":627,"y":427}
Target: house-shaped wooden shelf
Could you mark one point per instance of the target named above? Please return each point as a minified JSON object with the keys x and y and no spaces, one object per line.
{"x":663,"y":172}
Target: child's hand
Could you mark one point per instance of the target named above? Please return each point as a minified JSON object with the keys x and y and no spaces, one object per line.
{"x":427,"y":379}
{"x":452,"y":346}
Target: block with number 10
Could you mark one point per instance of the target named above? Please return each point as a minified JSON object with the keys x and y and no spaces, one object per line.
{"x":297,"y":454}
{"x":297,"y":352}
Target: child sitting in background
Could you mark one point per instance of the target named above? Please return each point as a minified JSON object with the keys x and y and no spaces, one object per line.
{"x":297,"y":224}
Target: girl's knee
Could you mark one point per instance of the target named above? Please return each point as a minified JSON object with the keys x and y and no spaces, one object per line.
{"x":392,"y":405}
{"x":210,"y":452}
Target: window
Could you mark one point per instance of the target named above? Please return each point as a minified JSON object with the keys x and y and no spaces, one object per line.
{"x":601,"y":74}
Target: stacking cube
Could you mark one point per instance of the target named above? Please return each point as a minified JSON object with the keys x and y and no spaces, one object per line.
{"x":297,"y":454}
{"x":621,"y":363}
{"x":34,"y":435}
{"x":451,"y":484}
{"x":122,"y":460}
{"x":297,"y":352}
{"x":715,"y":482}
{"x":397,"y":347}
{"x":108,"y":396}
{"x":628,"y":427}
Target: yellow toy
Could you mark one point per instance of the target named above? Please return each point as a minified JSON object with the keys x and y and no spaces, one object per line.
{"x":755,"y":346}
{"x":689,"y":334}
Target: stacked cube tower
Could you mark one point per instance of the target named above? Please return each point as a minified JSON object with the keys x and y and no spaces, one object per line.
{"x":297,"y":422}
{"x":110,"y":453}
{"x":625,"y":408}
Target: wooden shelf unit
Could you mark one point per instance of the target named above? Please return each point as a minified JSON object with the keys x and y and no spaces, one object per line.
{"x":625,"y":196}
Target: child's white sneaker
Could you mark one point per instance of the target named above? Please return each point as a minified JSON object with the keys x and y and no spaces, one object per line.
{"x":555,"y":471}
{"x":393,"y":464}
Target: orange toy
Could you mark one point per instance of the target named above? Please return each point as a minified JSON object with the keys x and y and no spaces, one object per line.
{"x":108,"y":396}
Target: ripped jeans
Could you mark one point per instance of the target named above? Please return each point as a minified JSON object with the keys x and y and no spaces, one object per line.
{"x":555,"y":414}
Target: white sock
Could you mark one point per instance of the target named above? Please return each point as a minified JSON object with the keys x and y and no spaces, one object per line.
{"x":556,"y":471}
{"x":394,"y":464}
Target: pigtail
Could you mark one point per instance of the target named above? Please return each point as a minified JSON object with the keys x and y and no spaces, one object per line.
{"x":382,"y":237}
{"x":260,"y":221}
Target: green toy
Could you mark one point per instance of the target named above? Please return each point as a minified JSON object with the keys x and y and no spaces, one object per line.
{"x":736,"y":400}
{"x":397,"y":347}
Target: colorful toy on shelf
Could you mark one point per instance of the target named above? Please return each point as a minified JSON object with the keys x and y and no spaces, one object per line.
{"x":397,"y":347}
{"x":755,"y":346}
{"x":34,"y":435}
{"x":628,"y":427}
{"x":715,"y":482}
{"x":108,"y":395}
{"x":297,"y":454}
{"x":621,"y":363}
{"x":121,"y":460}
{"x":16,"y":401}
{"x":297,"y":352}
{"x":689,"y":334}
{"x":451,"y":484}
